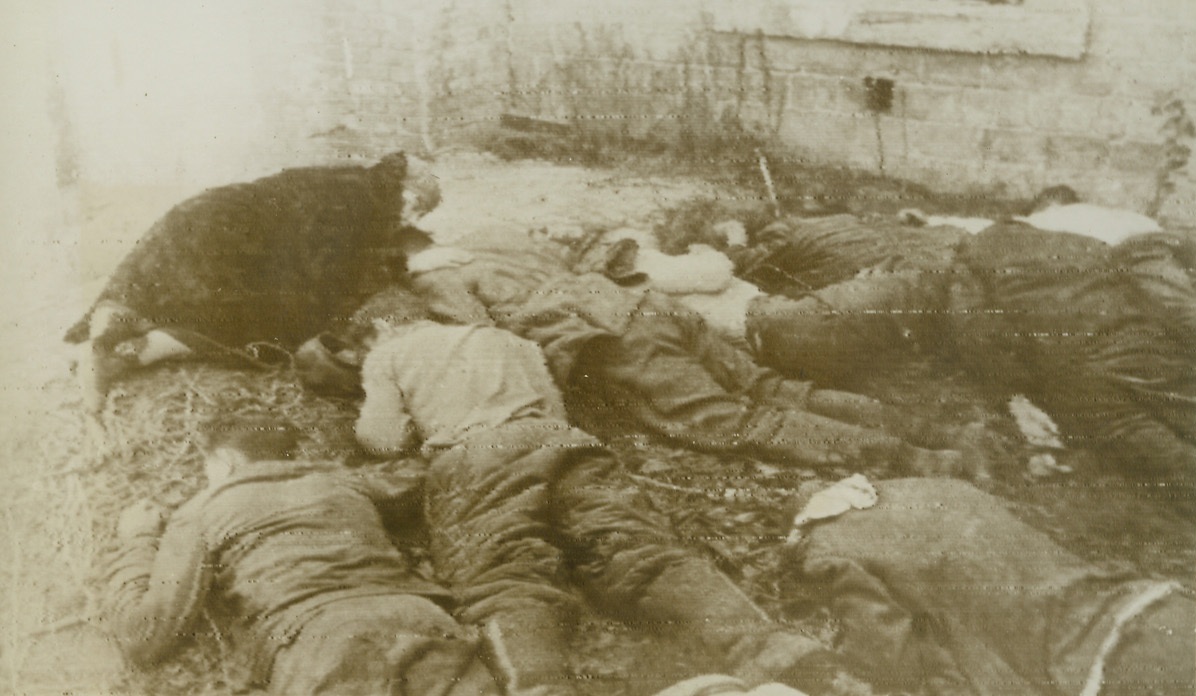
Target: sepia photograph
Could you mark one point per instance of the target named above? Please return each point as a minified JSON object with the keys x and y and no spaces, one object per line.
{"x":620,"y":348}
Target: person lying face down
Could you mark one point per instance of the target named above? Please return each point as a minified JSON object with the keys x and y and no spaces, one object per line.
{"x":273,"y":260}
{"x":939,"y":589}
{"x":297,"y":552}
{"x":635,"y":352}
{"x":1089,"y":311}
{"x":517,"y":500}
{"x":1099,"y":335}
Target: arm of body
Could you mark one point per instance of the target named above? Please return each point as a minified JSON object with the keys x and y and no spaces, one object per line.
{"x":157,"y":586}
{"x":384,"y":427}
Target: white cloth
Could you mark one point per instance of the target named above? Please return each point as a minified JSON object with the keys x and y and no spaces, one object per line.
{"x":1109,"y":225}
{"x":726,"y":311}
{"x":703,"y":281}
{"x":701,"y":269}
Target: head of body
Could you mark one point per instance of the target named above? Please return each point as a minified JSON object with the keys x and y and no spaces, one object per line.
{"x":411,"y":175}
{"x":1060,"y":194}
{"x":330,"y":364}
{"x":236,"y":442}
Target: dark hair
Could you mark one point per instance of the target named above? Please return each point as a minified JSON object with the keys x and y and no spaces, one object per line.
{"x":395,"y":305}
{"x":319,"y":366}
{"x":394,"y":164}
{"x":1053,"y":195}
{"x":259,"y":438}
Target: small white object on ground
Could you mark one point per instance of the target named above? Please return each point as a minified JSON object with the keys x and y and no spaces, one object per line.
{"x":855,"y":492}
{"x":1035,"y":425}
{"x":1044,"y":464}
{"x":1040,"y":431}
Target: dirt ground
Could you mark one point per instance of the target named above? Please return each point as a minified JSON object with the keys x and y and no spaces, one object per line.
{"x":66,"y":480}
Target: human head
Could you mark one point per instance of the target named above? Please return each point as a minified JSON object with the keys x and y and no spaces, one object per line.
{"x":413,"y":177}
{"x":234,"y":441}
{"x":1052,"y":196}
{"x":330,"y":364}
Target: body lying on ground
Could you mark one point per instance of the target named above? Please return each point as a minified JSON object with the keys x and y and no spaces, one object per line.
{"x":517,"y":501}
{"x":635,"y":357}
{"x":297,"y":555}
{"x":1098,"y":335}
{"x":274,"y":260}
{"x":939,"y":590}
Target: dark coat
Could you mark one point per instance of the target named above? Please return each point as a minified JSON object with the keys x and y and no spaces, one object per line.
{"x":280,"y":543}
{"x":274,"y":260}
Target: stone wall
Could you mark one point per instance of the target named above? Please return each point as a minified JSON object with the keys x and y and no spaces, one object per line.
{"x":1001,"y":118}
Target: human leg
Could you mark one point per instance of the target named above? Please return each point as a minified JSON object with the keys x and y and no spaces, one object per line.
{"x":627,"y":558}
{"x":1128,"y":393}
{"x":396,"y":644}
{"x":662,"y":373}
{"x":838,"y":335}
{"x":486,"y":507}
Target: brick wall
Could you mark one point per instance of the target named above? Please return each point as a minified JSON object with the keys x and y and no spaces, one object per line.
{"x":958,"y":121}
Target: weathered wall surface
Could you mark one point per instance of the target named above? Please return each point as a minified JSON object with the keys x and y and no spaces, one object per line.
{"x":228,"y":90}
{"x":958,"y":119}
{"x":149,"y":92}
